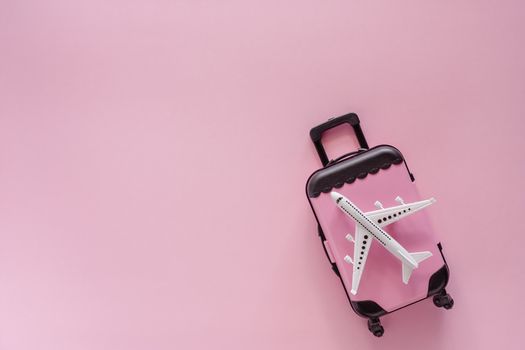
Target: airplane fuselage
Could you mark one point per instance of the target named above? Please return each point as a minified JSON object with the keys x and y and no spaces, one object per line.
{"x":382,"y":237}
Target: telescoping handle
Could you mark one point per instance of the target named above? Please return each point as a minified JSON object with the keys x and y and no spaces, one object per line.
{"x":317,"y":132}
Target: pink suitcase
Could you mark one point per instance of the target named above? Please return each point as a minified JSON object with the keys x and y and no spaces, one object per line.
{"x":364,"y":177}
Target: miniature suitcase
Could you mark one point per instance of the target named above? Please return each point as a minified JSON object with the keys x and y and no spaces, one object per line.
{"x":375,"y":176}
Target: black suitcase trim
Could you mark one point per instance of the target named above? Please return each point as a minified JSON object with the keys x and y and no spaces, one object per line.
{"x":439,"y":280}
{"x":358,"y":166}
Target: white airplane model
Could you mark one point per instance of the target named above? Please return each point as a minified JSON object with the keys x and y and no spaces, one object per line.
{"x":369,"y":225}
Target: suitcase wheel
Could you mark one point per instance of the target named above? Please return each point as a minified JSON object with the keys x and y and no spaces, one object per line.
{"x":374,"y":326}
{"x":443,"y":300}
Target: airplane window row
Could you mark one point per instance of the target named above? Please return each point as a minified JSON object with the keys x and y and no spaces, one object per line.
{"x":390,"y":216}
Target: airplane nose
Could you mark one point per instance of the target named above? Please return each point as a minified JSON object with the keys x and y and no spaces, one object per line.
{"x":335,"y":195}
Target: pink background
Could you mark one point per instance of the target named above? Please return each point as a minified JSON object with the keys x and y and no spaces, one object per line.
{"x":153,"y":156}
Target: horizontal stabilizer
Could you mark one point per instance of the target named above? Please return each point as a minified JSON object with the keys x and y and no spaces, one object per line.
{"x":420,"y":256}
{"x":407,"y":268}
{"x":407,"y":272}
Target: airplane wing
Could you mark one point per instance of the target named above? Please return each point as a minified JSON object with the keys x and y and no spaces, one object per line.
{"x":362,"y":243}
{"x":387,"y":216}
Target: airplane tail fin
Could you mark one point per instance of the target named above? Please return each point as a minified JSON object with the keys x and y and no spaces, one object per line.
{"x":407,"y":269}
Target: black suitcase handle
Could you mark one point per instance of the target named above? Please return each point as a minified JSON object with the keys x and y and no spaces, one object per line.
{"x":316,"y":133}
